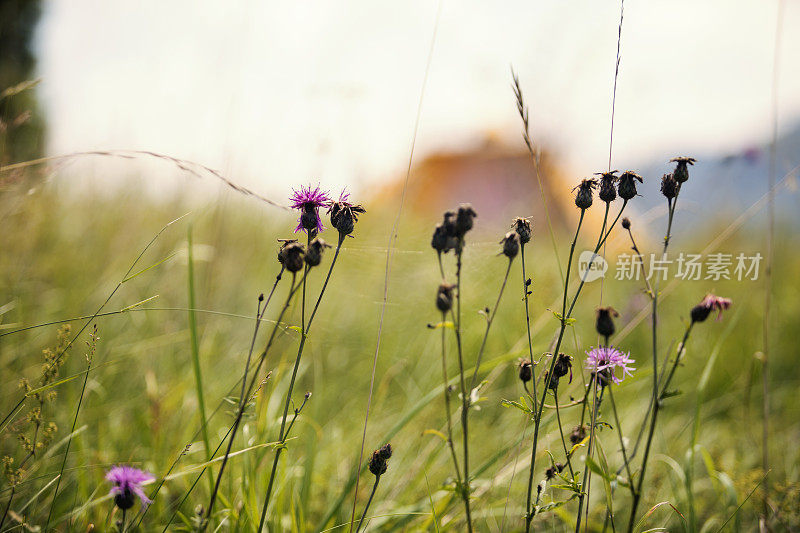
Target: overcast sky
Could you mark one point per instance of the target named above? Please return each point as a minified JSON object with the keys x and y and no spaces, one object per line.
{"x":277,"y":93}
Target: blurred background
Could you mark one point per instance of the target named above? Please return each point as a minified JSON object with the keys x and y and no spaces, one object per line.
{"x":274,"y":95}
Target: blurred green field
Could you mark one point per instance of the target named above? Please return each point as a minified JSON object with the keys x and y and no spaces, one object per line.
{"x":63,"y":254}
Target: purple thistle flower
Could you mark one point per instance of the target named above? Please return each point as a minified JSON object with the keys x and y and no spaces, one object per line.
{"x":127,"y":482}
{"x":308,"y":201}
{"x":610,"y":359}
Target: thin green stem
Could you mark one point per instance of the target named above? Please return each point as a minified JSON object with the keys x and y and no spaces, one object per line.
{"x":464,"y":489}
{"x":304,"y":335}
{"x":561,"y":432}
{"x":621,"y":439}
{"x":586,"y":471}
{"x":528,"y":322}
{"x":369,"y":501}
{"x":489,"y":321}
{"x":447,"y":404}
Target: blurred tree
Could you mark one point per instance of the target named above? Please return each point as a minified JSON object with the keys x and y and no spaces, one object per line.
{"x":21,"y":127}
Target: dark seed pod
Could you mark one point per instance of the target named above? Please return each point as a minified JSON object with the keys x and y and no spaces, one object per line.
{"x":523,"y":228}
{"x":510,"y":245}
{"x":378,"y":462}
{"x":669,"y":187}
{"x":344,"y":215}
{"x":291,"y":255}
{"x":607,"y":191}
{"x":583,"y":198}
{"x":525,"y":371}
{"x":627,"y":184}
{"x":124,"y":499}
{"x":700,"y":313}
{"x":550,"y":473}
{"x":444,"y":297}
{"x":309,"y":218}
{"x":464,"y":219}
{"x":681,"y":171}
{"x":626,"y":223}
{"x":605,"y":321}
{"x":314,"y":252}
{"x":578,"y":434}
{"x":563,"y":366}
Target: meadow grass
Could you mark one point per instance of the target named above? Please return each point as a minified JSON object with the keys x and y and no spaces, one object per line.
{"x":63,"y":255}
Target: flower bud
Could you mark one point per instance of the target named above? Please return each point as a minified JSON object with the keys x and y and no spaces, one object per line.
{"x":563,"y":366}
{"x":550,"y":473}
{"x":344,"y":214}
{"x":378,"y":462}
{"x":510,"y":245}
{"x":551,"y":382}
{"x":525,"y":371}
{"x":681,"y":171}
{"x":523,"y":228}
{"x":605,"y":321}
{"x":627,"y":184}
{"x":607,"y":191}
{"x":291,"y":255}
{"x":464,"y":219}
{"x":626,"y":223}
{"x":710,"y":303}
{"x":314,"y":252}
{"x":578,"y":434}
{"x":669,"y":187}
{"x":583,"y":198}
{"x":444,"y":297}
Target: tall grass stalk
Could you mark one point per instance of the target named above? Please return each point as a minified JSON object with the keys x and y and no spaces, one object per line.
{"x":305,"y":327}
{"x":198,"y":376}
{"x":446,"y":387}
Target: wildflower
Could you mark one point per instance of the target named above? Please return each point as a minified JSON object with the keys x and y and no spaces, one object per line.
{"x":606,"y":360}
{"x":525,"y":371}
{"x":583,"y":199}
{"x":291,"y":255}
{"x":605,"y":321}
{"x":710,"y":303}
{"x":578,"y":434}
{"x":344,"y":214}
{"x":127,"y":484}
{"x":551,"y":472}
{"x":626,"y":223}
{"x":551,"y":381}
{"x":444,"y":297}
{"x":314,"y":253}
{"x":378,"y":461}
{"x":669,"y":187}
{"x":464,"y":219}
{"x":626,"y":187}
{"x":444,"y":236}
{"x":681,"y":172}
{"x":523,"y":228}
{"x":308,"y":201}
{"x":607,"y":191}
{"x":510,"y":245}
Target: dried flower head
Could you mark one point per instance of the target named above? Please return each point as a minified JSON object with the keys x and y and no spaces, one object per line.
{"x":344,"y":214}
{"x":681,"y":171}
{"x":314,"y":253}
{"x":523,"y":228}
{"x":563,"y":366}
{"x":291,"y":255}
{"x":626,"y":223}
{"x":525,"y":370}
{"x":583,"y":198}
{"x":669,"y":187}
{"x":626,"y":187}
{"x":510,"y":245}
{"x":378,"y":462}
{"x":444,"y":235}
{"x":551,"y":472}
{"x":607,"y":191}
{"x":127,"y":484}
{"x":578,"y":434}
{"x":444,"y":297}
{"x":308,"y":201}
{"x":606,"y":360}
{"x":605,"y":321}
{"x":465,"y":219}
{"x":710,"y":303}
